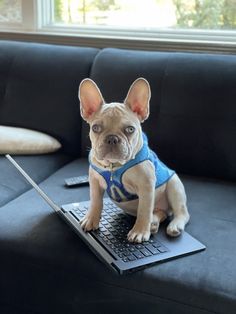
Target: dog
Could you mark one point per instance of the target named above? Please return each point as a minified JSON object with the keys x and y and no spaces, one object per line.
{"x":122,"y":164}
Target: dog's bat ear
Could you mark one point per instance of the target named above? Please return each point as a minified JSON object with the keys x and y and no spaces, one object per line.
{"x":90,"y":97}
{"x":138,"y":98}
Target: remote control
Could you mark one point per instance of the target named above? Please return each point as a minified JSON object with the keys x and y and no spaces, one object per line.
{"x":77,"y":181}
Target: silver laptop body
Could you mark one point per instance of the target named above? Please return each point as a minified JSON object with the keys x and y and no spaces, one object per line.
{"x":109,"y":242}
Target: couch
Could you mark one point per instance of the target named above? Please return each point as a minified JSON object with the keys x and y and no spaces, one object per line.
{"x":45,"y":267}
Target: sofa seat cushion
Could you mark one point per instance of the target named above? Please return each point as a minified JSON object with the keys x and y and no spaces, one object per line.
{"x":40,"y":250}
{"x":38,"y":166}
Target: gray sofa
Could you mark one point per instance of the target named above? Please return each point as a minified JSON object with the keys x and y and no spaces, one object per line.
{"x":45,"y":267}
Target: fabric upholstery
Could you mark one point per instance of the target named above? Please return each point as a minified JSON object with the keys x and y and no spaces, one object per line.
{"x":45,"y":245}
{"x":44,"y":267}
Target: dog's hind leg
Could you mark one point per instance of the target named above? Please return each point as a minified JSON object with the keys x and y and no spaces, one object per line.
{"x":159,"y":215}
{"x":177,"y":201}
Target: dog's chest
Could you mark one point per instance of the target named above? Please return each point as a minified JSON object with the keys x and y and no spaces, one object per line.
{"x":116,"y":187}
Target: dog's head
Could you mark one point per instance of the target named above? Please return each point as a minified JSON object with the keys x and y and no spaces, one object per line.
{"x":115,"y":128}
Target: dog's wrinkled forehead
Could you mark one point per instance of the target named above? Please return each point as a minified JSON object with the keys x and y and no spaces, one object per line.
{"x":114,"y":111}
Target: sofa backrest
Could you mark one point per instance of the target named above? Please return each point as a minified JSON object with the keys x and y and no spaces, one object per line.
{"x":39,"y":88}
{"x":192,"y":123}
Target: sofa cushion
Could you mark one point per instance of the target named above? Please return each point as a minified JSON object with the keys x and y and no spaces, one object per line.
{"x":192,"y":122}
{"x":38,"y":167}
{"x":39,"y":88}
{"x":40,"y":250}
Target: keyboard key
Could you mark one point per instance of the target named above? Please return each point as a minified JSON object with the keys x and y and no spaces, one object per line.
{"x":110,"y":237}
{"x":114,"y":241}
{"x":156,"y":244}
{"x":102,"y":228}
{"x":162,"y":249}
{"x":132,"y":249}
{"x":121,"y":255}
{"x":115,"y":233}
{"x":117,"y":244}
{"x":139,"y":255}
{"x":131,"y":258}
{"x":111,"y":229}
{"x":128,"y":245}
{"x":126,"y":253}
{"x":146,"y":252}
{"x":110,"y":219}
{"x":121,"y":249}
{"x":151,"y":248}
{"x":139,"y":246}
{"x":108,"y":242}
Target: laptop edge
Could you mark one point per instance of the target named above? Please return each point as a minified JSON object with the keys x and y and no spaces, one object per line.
{"x":183,"y":245}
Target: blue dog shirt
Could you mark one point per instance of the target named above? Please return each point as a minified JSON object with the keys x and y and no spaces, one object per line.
{"x":115,"y":187}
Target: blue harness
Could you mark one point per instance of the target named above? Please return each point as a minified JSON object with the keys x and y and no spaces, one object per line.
{"x":115,"y":188}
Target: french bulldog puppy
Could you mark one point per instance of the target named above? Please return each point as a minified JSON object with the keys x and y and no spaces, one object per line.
{"x":122,"y":164}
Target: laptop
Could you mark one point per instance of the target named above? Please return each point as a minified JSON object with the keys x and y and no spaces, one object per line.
{"x":110,"y":243}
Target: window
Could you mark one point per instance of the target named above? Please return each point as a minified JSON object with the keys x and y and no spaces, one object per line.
{"x":17,"y":15}
{"x":10,"y":11}
{"x":148,"y":14}
{"x":141,"y":24}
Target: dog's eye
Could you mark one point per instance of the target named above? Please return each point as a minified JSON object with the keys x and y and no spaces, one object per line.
{"x":96,"y":128}
{"x":130,"y":129}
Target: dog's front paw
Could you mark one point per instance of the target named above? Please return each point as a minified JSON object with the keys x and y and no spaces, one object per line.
{"x":175,"y":227}
{"x":138,"y":234}
{"x":90,"y":222}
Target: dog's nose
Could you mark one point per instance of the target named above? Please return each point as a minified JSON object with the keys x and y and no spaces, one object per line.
{"x":112,"y":139}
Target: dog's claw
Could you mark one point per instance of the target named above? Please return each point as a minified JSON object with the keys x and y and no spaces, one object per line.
{"x":137,"y":236}
{"x":175,"y":228}
{"x":89,"y":223}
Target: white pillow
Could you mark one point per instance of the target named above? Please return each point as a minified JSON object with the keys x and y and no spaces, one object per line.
{"x":19,"y":141}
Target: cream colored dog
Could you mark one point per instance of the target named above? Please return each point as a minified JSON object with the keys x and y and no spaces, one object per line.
{"x":117,"y":139}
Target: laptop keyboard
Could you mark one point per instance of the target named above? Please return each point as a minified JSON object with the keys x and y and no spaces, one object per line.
{"x":112,"y":233}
